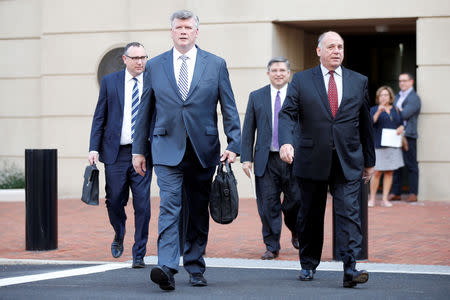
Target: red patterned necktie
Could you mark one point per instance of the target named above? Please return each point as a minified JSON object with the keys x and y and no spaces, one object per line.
{"x":332,"y":94}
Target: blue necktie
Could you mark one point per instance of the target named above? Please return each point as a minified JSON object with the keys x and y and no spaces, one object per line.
{"x":134,"y":106}
{"x":183,"y":78}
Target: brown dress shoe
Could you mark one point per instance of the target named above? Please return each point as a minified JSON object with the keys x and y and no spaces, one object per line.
{"x":269,"y":255}
{"x":412,"y":198}
{"x":394,"y":197}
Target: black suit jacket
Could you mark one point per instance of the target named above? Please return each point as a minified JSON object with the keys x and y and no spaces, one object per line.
{"x":350,"y":132}
{"x":258,"y":118}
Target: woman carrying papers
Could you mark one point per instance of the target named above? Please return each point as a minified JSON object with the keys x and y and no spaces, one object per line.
{"x":385,"y":117}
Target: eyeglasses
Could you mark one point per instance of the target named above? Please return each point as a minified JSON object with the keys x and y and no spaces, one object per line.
{"x":137,"y":58}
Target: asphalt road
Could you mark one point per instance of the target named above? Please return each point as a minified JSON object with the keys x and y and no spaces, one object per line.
{"x":223,"y":283}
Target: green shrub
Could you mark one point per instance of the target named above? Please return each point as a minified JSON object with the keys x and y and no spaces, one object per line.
{"x":11,"y":177}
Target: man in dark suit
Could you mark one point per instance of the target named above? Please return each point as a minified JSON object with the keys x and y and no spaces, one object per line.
{"x":112,"y":133}
{"x":335,"y":150}
{"x":408,"y":103}
{"x":272,"y":175}
{"x":185,"y":84}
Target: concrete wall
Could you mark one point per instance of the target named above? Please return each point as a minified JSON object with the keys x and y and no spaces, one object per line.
{"x":51,"y":50}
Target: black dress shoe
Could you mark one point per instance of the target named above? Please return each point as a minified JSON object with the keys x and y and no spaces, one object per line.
{"x":138,"y":263}
{"x":269,"y":255}
{"x":163,"y":277}
{"x":353,"y":277}
{"x":117,"y":247}
{"x":197,"y":279}
{"x":307,"y":275}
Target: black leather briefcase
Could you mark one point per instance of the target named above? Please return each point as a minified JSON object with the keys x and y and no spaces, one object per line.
{"x":90,"y":185}
{"x":224,"y":199}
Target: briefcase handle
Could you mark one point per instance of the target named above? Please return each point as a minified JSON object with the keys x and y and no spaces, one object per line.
{"x":227,"y":167}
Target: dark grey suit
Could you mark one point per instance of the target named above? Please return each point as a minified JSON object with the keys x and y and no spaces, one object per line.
{"x":272,"y":175}
{"x":410,"y":113}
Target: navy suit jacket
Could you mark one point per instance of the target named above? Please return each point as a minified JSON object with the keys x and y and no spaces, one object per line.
{"x":258,"y":118}
{"x":108,"y":117}
{"x":350,"y":131}
{"x":196,"y":117}
{"x":410,"y":113}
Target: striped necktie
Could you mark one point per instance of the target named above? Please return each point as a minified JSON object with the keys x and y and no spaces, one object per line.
{"x":183,"y":78}
{"x":134,"y":106}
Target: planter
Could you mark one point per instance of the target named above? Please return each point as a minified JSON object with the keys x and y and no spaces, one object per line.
{"x":12,"y":195}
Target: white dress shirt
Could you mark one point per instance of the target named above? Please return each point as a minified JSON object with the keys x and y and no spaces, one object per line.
{"x":125,"y":137}
{"x":273,"y":95}
{"x":337,"y":78}
{"x":192,"y":57}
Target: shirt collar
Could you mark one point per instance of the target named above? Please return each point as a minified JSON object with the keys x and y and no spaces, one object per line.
{"x":325,"y":71}
{"x":129,"y":77}
{"x":274,"y":90}
{"x":191,"y":53}
{"x":405,"y":93}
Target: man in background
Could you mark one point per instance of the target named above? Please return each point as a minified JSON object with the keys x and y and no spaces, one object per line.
{"x":112,"y":133}
{"x":408,"y":103}
{"x":272,"y":175}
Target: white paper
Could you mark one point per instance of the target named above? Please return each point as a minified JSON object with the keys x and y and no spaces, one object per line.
{"x":390,"y":138}
{"x":252,"y":181}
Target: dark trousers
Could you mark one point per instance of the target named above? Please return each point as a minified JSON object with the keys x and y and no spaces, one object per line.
{"x":120,"y":177}
{"x":188,"y":180}
{"x":277,"y":178}
{"x":410,"y":159}
{"x":311,"y":217}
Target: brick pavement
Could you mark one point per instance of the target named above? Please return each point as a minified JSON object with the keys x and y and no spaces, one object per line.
{"x":406,"y":233}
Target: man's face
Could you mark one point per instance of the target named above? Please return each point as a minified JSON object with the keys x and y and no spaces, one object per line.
{"x":278,"y":74}
{"x":332,"y":51}
{"x":184,"y":34}
{"x":404,"y":82}
{"x":135,"y":60}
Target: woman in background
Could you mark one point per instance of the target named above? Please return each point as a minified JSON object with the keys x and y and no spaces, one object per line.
{"x":388,"y":159}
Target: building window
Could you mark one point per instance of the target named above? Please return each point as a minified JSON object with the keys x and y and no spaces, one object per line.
{"x":110,"y":63}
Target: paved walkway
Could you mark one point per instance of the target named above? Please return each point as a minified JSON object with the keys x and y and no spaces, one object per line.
{"x":406,"y":233}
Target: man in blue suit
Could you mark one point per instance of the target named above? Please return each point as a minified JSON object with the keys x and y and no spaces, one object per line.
{"x":112,"y":132}
{"x":272,"y":175}
{"x":408,"y":103}
{"x":335,"y":150}
{"x":185,"y":84}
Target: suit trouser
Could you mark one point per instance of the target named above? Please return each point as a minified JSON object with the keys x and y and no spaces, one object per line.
{"x":120,"y":177}
{"x":197,"y":184}
{"x":311,"y":217}
{"x":410,"y":159}
{"x":277,"y":178}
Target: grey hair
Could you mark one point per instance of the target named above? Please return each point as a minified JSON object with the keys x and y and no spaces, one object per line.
{"x":322,"y":36}
{"x":277,"y":60}
{"x":132,"y":44}
{"x":184,"y":15}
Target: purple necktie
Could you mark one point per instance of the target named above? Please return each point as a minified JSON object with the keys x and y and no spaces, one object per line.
{"x":276,"y":110}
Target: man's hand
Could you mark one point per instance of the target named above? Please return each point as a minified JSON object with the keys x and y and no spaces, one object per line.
{"x":93,"y":157}
{"x":368,"y":173}
{"x":247,"y":167}
{"x":231,"y":156}
{"x":287,"y":153}
{"x":139,"y":164}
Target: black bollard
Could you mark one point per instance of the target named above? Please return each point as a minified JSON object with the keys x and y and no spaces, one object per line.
{"x":41,"y":194}
{"x":363,"y":213}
